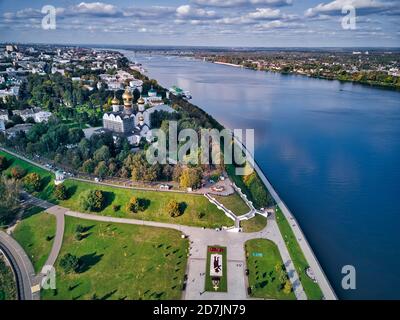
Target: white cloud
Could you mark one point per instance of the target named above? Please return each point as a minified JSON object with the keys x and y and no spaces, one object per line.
{"x":361,"y":6}
{"x":189,"y":12}
{"x":95,"y":8}
{"x":237,"y":3}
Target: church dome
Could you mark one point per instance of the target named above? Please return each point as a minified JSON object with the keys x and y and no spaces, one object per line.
{"x":141,"y":101}
{"x":127,"y":96}
{"x":115,"y":101}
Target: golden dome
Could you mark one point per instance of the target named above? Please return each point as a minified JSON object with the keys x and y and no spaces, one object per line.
{"x":141,"y":101}
{"x":115,"y":101}
{"x":127,"y":96}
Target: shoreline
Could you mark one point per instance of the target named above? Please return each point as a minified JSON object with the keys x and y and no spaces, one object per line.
{"x":305,"y":247}
{"x":228,"y":64}
{"x":371,"y":85}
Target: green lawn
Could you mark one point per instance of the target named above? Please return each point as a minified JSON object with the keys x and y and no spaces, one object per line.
{"x":35,"y":234}
{"x":8,"y":289}
{"x":234,"y":203}
{"x":121,"y":262}
{"x":223,"y":284}
{"x":47,"y":177}
{"x":311,"y":288}
{"x":197,"y":210}
{"x":262,"y":257}
{"x":256,"y":224}
{"x":193,"y":205}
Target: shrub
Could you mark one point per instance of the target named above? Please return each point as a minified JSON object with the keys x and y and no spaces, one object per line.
{"x":60,"y":192}
{"x":287,"y":288}
{"x":190,"y":178}
{"x":173,"y":209}
{"x":17,"y":172}
{"x":92,"y":200}
{"x":80,"y":228}
{"x":69,"y":263}
{"x":116,"y":207}
{"x":135,"y":205}
{"x":32,"y":182}
{"x":201,"y":215}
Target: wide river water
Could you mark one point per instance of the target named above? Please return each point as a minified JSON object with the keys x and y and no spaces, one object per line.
{"x":331,"y":150}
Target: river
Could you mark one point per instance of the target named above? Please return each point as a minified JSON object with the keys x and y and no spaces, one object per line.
{"x":331,"y":150}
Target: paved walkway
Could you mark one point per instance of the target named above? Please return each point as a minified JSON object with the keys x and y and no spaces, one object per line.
{"x":26,"y":279}
{"x":58,"y":212}
{"x":199,"y":239}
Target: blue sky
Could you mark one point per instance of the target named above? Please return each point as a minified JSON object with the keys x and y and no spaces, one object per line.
{"x":266,"y":23}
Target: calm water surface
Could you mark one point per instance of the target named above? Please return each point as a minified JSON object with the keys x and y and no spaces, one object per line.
{"x":331,"y":150}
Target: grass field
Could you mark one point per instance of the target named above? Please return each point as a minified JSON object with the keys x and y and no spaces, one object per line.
{"x":223,"y":285}
{"x":121,"y":262}
{"x":193,"y":204}
{"x":197,"y":210}
{"x":311,"y":288}
{"x":46,"y":176}
{"x":256,"y":224}
{"x":8,"y":289}
{"x":35,"y":234}
{"x":234,"y":203}
{"x":262,"y":256}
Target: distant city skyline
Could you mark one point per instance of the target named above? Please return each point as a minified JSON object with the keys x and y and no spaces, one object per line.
{"x":223,"y":23}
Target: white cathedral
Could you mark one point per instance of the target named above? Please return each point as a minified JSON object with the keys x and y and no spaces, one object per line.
{"x":124,"y":122}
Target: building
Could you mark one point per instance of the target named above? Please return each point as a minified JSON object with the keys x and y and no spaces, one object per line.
{"x":4,"y":115}
{"x":13,"y":131}
{"x":42,"y":116}
{"x":120,"y":121}
{"x":2,"y":126}
{"x":124,"y":122}
{"x":36,"y":114}
{"x":153,"y":98}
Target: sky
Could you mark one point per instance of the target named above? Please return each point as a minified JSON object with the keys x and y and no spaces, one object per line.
{"x":228,"y":23}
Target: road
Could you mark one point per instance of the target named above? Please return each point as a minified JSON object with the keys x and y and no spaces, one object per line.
{"x":25,"y":274}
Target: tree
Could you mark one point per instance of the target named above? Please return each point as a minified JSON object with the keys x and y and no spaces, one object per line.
{"x":69,"y":263}
{"x":173,"y":209}
{"x":133,"y":205}
{"x":88,"y":166}
{"x":102,"y":154}
{"x":9,"y":204}
{"x":60,"y":192}
{"x":287,"y":288}
{"x":92,"y":200}
{"x":18,"y":172}
{"x":101,"y":170}
{"x":190,"y":178}
{"x":32,"y":182}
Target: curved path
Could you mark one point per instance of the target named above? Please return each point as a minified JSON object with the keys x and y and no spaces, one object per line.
{"x":27,"y":282}
{"x":200,"y":239}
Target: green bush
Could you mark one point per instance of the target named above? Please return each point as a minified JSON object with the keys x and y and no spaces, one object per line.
{"x":173,"y":209}
{"x":18,"y":172}
{"x":92,"y":200}
{"x":69,"y":263}
{"x":32,"y":182}
{"x":60,"y":192}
